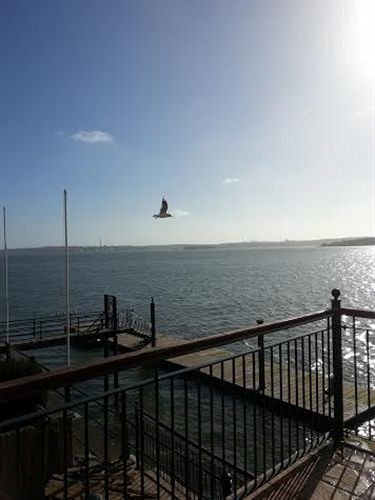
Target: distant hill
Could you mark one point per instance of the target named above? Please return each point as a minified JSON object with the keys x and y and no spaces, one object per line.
{"x":349,"y":242}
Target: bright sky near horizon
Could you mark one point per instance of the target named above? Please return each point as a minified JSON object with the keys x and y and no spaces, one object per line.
{"x":255,"y":119}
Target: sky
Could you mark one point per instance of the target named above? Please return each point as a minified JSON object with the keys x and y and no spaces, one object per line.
{"x":254,"y":118}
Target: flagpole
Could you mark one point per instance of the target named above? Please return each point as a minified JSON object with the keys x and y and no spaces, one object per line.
{"x":6,"y":274}
{"x":67,"y":290}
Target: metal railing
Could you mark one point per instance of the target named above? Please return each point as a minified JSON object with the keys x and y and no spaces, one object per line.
{"x":39,"y":329}
{"x":45,"y":327}
{"x":220,"y":428}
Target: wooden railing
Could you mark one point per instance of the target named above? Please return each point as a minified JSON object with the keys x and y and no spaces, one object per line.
{"x":65,"y":377}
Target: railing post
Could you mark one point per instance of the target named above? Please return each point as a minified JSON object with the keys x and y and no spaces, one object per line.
{"x":106,"y":315}
{"x":34,"y":328}
{"x":338,"y":405}
{"x":262,"y":383}
{"x":115,"y":345}
{"x":153,"y":325}
{"x":137,"y":435}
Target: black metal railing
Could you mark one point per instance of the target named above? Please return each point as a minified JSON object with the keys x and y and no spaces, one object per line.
{"x":42,"y":328}
{"x":358,"y":354}
{"x":46,"y":327}
{"x":223,"y":427}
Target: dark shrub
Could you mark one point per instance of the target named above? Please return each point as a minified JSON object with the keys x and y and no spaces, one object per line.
{"x":11,"y":369}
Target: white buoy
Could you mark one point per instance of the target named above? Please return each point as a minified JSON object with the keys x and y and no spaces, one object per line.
{"x":67,"y":290}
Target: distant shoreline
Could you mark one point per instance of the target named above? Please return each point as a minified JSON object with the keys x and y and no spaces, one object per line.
{"x":326,"y":242}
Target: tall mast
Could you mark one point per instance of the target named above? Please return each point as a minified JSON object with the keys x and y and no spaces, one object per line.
{"x":67,"y":284}
{"x":6,"y":274}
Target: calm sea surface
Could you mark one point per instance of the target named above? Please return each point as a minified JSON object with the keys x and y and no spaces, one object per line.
{"x":197,"y":292}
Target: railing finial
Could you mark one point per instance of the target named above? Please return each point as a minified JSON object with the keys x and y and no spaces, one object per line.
{"x":336,"y":293}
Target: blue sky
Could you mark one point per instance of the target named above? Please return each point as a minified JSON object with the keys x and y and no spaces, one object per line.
{"x":254,"y":118}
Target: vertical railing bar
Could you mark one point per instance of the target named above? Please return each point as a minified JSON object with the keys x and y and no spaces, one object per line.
{"x":124,"y":443}
{"x":261,"y":361}
{"x":355,"y":366}
{"x":316,"y":372}
{"x":234,"y":411}
{"x":173,"y":473}
{"x":253,"y":362}
{"x":323,"y":371}
{"x":212,"y":483}
{"x":106,"y":459}
{"x":255,"y":437}
{"x":329,"y":331}
{"x":244,"y":417}
{"x":18,"y":462}
{"x":199,"y":415}
{"x":303,"y":390}
{"x":142,"y":441}
{"x":272,"y":413}
{"x":281,"y":405}
{"x":338,"y":429}
{"x":264,"y":438}
{"x":289,"y":395}
{"x":368,"y":378}
{"x":87,"y":451}
{"x":157,"y":433}
{"x":296,"y":384}
{"x":186,"y":410}
{"x":223,"y":444}
{"x":65,"y":441}
{"x":310,"y":389}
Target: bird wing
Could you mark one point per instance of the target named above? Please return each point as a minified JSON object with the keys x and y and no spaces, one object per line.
{"x":164,"y":207}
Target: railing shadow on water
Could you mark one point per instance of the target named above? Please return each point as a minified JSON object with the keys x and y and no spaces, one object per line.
{"x":216,"y":429}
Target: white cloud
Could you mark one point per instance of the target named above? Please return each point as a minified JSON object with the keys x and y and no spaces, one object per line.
{"x":180,"y":213}
{"x":231,"y":180}
{"x":92,"y":136}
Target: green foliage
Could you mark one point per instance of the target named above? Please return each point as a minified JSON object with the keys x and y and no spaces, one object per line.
{"x":14,"y":368}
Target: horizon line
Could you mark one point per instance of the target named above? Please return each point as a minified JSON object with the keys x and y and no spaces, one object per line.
{"x":247,"y":242}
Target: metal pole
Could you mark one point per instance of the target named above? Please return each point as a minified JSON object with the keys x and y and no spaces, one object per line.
{"x":67,"y":290}
{"x":6,"y":275}
{"x":153,"y":325}
{"x":262,"y":378}
{"x":338,"y":406}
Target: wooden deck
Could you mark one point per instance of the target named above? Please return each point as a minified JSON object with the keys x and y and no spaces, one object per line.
{"x":76,"y":485}
{"x":59,"y":339}
{"x":306,"y":390}
{"x":328,"y":474}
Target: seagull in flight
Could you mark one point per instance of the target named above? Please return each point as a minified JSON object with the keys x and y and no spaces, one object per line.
{"x":163,"y":210}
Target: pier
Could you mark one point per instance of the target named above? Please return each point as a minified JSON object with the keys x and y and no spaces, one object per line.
{"x":211,"y":421}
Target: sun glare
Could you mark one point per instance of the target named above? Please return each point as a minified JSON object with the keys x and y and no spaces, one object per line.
{"x":366,"y":35}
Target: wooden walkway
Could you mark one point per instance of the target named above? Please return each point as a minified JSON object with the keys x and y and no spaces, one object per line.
{"x":306,"y":390}
{"x":329,"y":473}
{"x":60,"y":339}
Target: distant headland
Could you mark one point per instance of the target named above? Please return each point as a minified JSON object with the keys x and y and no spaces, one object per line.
{"x":349,"y":242}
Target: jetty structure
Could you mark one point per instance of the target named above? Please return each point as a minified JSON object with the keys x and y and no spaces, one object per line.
{"x":289,"y":414}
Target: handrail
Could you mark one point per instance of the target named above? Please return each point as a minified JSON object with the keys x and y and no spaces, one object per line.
{"x":65,"y":377}
{"x":358,"y":313}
